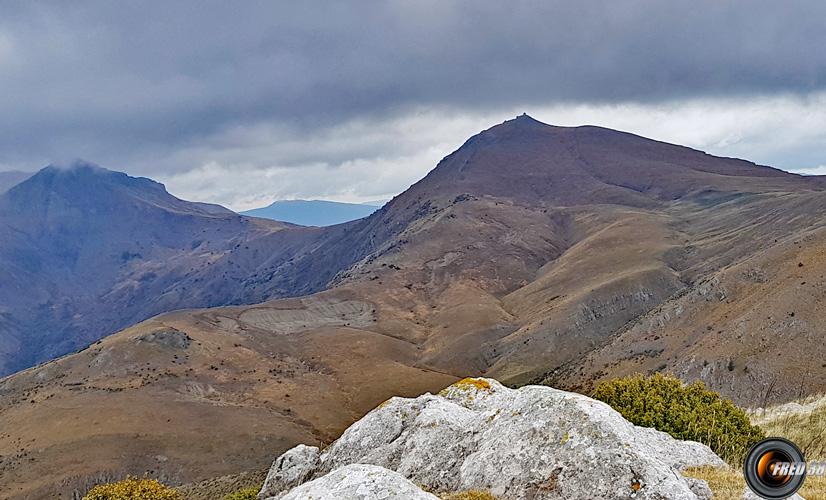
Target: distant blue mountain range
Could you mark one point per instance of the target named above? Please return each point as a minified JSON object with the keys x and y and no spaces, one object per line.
{"x":313,"y":212}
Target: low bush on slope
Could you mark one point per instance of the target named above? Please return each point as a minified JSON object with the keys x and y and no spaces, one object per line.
{"x":244,"y":494}
{"x":133,"y":489}
{"x":686,"y":411}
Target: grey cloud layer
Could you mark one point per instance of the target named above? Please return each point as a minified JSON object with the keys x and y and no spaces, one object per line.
{"x":133,"y":84}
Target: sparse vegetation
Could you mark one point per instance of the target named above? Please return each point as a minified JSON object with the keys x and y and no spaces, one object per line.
{"x":689,"y":412}
{"x":244,"y":494}
{"x":806,"y":426}
{"x":728,"y":484}
{"x":468,"y":495}
{"x":133,"y":489}
{"x":724,"y":483}
{"x":223,"y":487}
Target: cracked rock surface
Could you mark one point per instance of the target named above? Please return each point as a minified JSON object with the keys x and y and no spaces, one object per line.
{"x":359,"y":482}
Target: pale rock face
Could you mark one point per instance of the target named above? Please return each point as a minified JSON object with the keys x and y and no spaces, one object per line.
{"x":700,"y":488}
{"x":530,"y":443}
{"x":290,"y":469}
{"x":359,"y":482}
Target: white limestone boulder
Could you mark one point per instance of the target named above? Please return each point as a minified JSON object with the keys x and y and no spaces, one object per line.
{"x":359,"y":482}
{"x":292,"y":468}
{"x":529,"y":443}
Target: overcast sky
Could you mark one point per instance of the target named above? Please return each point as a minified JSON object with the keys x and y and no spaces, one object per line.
{"x":241,"y":103}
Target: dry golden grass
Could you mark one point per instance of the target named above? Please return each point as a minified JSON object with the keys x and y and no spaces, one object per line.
{"x":468,"y":495}
{"x":725,"y":483}
{"x":728,"y":484}
{"x":803,"y":423}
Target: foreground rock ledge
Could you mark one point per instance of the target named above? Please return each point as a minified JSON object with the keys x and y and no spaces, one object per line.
{"x":529,"y":443}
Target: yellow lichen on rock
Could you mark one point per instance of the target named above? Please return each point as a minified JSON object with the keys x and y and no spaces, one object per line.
{"x":479,"y":384}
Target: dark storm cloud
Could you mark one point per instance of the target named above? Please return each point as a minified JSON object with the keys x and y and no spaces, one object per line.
{"x":126,"y":83}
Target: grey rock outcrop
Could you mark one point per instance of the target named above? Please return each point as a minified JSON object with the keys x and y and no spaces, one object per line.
{"x":529,"y":443}
{"x":359,"y":482}
{"x":292,"y":468}
{"x":700,"y":488}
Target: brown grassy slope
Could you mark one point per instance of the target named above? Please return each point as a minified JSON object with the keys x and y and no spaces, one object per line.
{"x":749,"y":329}
{"x":219,"y":487}
{"x":186,"y":410}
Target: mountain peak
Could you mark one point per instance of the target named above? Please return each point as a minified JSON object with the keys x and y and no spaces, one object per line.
{"x":517,"y":130}
{"x":525,"y":159}
{"x":524,"y":121}
{"x":86,"y":175}
{"x":77,"y":165}
{"x":87,"y":186}
{"x":86,"y":171}
{"x":527,"y":119}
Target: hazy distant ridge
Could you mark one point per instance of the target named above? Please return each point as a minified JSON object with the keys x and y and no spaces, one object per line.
{"x":312,"y":212}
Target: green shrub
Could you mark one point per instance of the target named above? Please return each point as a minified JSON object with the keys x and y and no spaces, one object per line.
{"x":244,"y":494}
{"x":689,"y":412}
{"x":133,"y":489}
